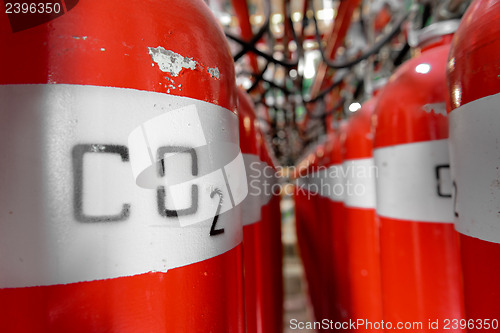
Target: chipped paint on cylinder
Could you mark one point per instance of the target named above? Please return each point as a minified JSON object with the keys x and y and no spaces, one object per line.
{"x":170,"y":62}
{"x":99,"y":43}
{"x":126,"y":62}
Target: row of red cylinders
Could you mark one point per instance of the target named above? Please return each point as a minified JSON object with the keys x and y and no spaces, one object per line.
{"x":171,"y":52}
{"x":390,"y":242}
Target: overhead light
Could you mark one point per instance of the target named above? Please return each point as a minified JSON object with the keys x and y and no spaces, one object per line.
{"x":309,"y":68}
{"x":225,"y":19}
{"x":326,"y":14}
{"x":276,"y":29}
{"x":311,"y":58}
{"x":276,"y":18}
{"x":256,"y":19}
{"x":310,"y":44}
{"x":244,"y":81}
{"x":296,"y":16}
{"x":354,"y":107}
{"x":309,"y":71}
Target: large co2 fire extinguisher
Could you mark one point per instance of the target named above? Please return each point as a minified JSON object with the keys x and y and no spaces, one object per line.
{"x":306,"y":228}
{"x":332,"y":233}
{"x":341,"y":310}
{"x":321,"y":226}
{"x":362,"y":224}
{"x":121,"y":175}
{"x":261,"y":229}
{"x":420,"y":262}
{"x":271,"y":214}
{"x":327,"y":240}
{"x":473,"y":73}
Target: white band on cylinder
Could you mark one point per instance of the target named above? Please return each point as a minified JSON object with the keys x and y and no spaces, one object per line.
{"x":70,"y":208}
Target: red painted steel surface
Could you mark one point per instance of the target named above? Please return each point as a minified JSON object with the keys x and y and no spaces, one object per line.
{"x":363,"y":229}
{"x":201,"y":297}
{"x":420,"y":264}
{"x":474,"y":75}
{"x":262,"y":239}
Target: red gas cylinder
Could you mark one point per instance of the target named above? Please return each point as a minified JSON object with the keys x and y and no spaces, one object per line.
{"x":474,"y":91}
{"x":322,"y":226}
{"x":331,"y":229}
{"x":362,"y":225}
{"x":122,"y":170}
{"x":271,"y":215}
{"x":335,"y":178}
{"x":261,"y":229}
{"x":306,"y":217}
{"x":420,"y":264}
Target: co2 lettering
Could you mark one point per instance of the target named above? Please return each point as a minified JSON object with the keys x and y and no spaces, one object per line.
{"x":161,"y":194}
{"x":80,"y":150}
{"x":438,"y":170}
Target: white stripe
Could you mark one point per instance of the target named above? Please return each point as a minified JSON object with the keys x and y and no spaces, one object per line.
{"x":46,"y":240}
{"x":407,"y":186}
{"x":260,"y":178}
{"x":360,"y":183}
{"x":251,"y":206}
{"x":336,"y":191}
{"x":328,"y":182}
{"x":207,"y":205}
{"x":475,"y":154}
{"x":167,"y":128}
{"x":181,"y":126}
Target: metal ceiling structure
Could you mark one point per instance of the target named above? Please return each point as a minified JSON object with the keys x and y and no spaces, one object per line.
{"x":305,"y":62}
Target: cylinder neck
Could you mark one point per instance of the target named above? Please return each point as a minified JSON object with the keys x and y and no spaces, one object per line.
{"x":378,"y":85}
{"x":435,"y":42}
{"x":434,"y":35}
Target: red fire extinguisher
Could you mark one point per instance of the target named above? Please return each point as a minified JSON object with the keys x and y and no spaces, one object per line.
{"x":473,"y":73}
{"x":420,"y":263}
{"x":271,"y":214}
{"x":341,"y":309}
{"x":330,"y":230}
{"x":306,"y":217}
{"x":261,"y":229}
{"x":362,"y":225}
{"x":326,"y":272}
{"x":120,"y":195}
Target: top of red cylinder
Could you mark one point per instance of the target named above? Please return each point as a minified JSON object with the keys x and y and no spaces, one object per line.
{"x":359,"y":137}
{"x":473,"y":66}
{"x":174,"y":47}
{"x":412,"y":106}
{"x":433,"y":35}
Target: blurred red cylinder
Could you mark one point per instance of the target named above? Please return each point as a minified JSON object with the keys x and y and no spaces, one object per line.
{"x":322,"y":231}
{"x":271,"y":214}
{"x":420,"y":264}
{"x":341,"y":310}
{"x":104,"y":54}
{"x":331,"y":229}
{"x":473,"y":74}
{"x":261,"y":229}
{"x":363,"y":232}
{"x":306,"y":221}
